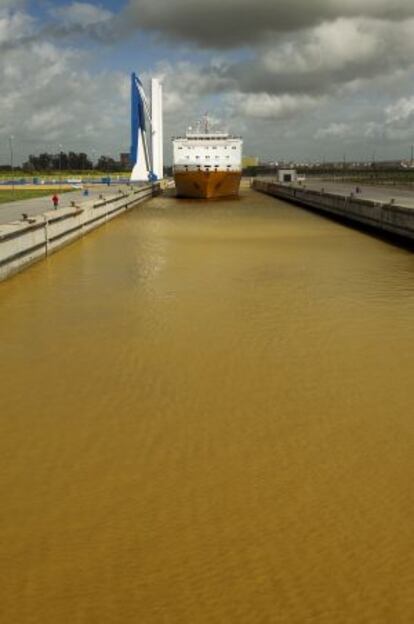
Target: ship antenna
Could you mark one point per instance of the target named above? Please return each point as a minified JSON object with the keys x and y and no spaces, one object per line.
{"x":206,"y":123}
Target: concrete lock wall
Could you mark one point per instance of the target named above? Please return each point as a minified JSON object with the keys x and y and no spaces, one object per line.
{"x":385,"y":218}
{"x":25,"y":242}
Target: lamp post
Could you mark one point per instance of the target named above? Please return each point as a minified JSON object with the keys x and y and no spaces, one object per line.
{"x":60,"y":167}
{"x":93,"y":162}
{"x":11,"y":137}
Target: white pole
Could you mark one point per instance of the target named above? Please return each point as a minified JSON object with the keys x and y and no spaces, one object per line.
{"x":161,"y":135}
{"x":157,"y":128}
{"x":12,"y":160}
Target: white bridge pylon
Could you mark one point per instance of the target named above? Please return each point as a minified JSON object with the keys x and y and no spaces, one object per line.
{"x":146,"y":117}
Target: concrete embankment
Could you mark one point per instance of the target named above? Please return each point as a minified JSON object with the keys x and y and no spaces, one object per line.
{"x":29,"y":240}
{"x":385,"y":218}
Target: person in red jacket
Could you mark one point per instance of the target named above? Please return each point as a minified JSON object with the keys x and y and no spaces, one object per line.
{"x":55,"y":200}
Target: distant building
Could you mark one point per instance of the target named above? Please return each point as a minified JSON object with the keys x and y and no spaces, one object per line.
{"x":287,"y":175}
{"x":124,"y":160}
{"x":250,"y":161}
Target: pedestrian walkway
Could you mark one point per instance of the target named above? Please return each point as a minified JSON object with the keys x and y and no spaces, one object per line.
{"x":31,"y":207}
{"x":382,"y":194}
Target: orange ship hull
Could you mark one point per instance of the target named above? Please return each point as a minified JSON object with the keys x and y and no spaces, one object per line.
{"x":207,"y":184}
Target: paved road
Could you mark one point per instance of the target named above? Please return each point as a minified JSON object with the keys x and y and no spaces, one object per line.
{"x":13,"y":211}
{"x":402,"y":197}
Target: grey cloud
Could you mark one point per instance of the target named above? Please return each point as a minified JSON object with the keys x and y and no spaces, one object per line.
{"x":83,"y":19}
{"x":254,"y":78}
{"x":324,"y":58}
{"x":57,"y":32}
{"x":234,"y":23}
{"x":82,"y":13}
{"x":78,"y":20}
{"x":7,"y":4}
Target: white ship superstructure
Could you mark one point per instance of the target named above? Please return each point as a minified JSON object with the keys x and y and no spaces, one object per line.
{"x":208,"y":151}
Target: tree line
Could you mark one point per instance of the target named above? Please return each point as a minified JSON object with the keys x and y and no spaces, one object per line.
{"x":70,"y":161}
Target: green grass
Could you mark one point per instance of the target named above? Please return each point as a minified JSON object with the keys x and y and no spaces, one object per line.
{"x":19,"y":194}
{"x":55,"y":175}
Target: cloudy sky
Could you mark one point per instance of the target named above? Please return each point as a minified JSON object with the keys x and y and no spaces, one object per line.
{"x":299,"y":79}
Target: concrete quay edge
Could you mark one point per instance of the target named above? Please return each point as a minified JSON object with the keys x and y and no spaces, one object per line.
{"x":385,"y":218}
{"x":27,"y":241}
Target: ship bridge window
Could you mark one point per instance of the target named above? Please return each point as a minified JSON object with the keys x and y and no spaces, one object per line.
{"x":233,"y":148}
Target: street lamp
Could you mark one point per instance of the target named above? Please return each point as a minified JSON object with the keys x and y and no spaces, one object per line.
{"x":60,"y":167}
{"x":11,"y":137}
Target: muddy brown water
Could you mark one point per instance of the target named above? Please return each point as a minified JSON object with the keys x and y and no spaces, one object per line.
{"x":206,"y":416}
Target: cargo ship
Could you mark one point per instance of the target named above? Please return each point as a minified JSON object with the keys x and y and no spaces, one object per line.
{"x":206,"y":164}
